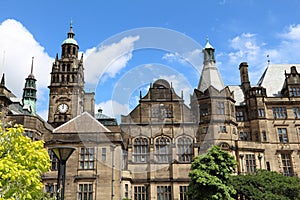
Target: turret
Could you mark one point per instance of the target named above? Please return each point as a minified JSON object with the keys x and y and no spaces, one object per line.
{"x":210,"y":75}
{"x":29,"y":92}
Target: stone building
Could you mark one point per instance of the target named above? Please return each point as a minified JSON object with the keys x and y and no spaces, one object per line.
{"x":23,"y":111}
{"x":148,"y":156}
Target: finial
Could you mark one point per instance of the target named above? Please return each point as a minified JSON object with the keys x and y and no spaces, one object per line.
{"x":71,"y":33}
{"x":268,"y":60}
{"x":71,"y":26}
{"x":31,"y":72}
{"x":207,"y":39}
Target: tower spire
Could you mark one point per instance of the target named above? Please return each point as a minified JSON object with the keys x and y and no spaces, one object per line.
{"x":29,"y":92}
{"x":210,"y":75}
{"x":71,"y":34}
{"x":31,"y":71}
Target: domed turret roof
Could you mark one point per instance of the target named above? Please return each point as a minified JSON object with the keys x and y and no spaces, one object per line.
{"x":70,"y":41}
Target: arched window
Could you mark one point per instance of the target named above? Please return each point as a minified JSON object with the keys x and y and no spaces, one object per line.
{"x":163,"y":150}
{"x":140,"y":150}
{"x":63,"y":68}
{"x":224,"y":146}
{"x":68,"y":67}
{"x":184,"y":149}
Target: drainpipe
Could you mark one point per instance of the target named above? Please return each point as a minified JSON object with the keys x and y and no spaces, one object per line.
{"x":112,"y":147}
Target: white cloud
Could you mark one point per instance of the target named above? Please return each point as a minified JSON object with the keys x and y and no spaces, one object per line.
{"x":292,"y":33}
{"x":193,"y":57}
{"x":113,"y":108}
{"x":20,"y":46}
{"x":17,"y":47}
{"x":108,"y":60}
{"x":247,"y":47}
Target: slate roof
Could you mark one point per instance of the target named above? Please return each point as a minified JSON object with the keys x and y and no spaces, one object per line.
{"x":84,"y":123}
{"x":210,"y":76}
{"x":273,"y":78}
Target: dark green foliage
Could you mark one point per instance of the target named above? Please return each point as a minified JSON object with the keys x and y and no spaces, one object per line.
{"x":211,"y":174}
{"x":267,"y":185}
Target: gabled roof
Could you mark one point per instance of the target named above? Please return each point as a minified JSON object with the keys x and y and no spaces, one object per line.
{"x":273,"y":78}
{"x":84,"y":123}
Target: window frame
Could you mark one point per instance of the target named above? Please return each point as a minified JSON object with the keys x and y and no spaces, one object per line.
{"x":82,"y":193}
{"x":164,"y":192}
{"x":185,"y":149}
{"x":87,"y":155}
{"x":250,"y":163}
{"x":287,"y":164}
{"x":140,"y":150}
{"x":279,"y":112}
{"x":183,"y":192}
{"x":163,"y":150}
{"x":140,"y":192}
{"x":220,"y":107}
{"x":282,"y":135}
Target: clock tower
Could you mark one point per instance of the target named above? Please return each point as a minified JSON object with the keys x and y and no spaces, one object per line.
{"x":67,"y":83}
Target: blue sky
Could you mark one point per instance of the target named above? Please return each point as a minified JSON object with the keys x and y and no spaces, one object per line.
{"x":247,"y":30}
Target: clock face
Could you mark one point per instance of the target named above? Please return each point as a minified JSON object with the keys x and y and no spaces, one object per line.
{"x":63,"y":108}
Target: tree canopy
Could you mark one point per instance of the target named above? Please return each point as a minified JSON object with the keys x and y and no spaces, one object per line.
{"x":210,"y":175}
{"x":265,"y":184}
{"x":22,"y":161}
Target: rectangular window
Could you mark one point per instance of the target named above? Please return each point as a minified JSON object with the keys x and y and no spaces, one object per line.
{"x":126,"y":191}
{"x":86,"y":158}
{"x":203,"y":110}
{"x":279,"y":112}
{"x":264,"y":136}
{"x":296,"y":112}
{"x":287,"y":164}
{"x":103,"y":154}
{"x":221,"y":108}
{"x":294,"y":91}
{"x":140,"y":193}
{"x":250,"y":163}
{"x":243,"y":136}
{"x":282,"y":135}
{"x":85,"y":192}
{"x":268,"y":166}
{"x":54,"y":161}
{"x":239,"y":116}
{"x":164,"y":193}
{"x":51,"y":189}
{"x":222,"y":129}
{"x":183,"y":192}
{"x":261,"y":112}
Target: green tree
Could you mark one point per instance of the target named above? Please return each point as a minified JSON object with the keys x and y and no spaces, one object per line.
{"x":264,"y":184}
{"x":22,"y":162}
{"x":210,"y":175}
